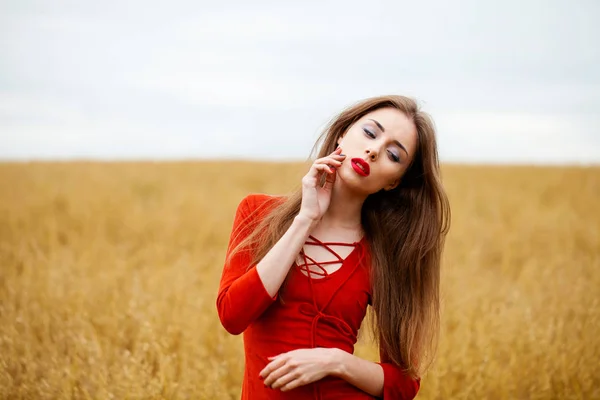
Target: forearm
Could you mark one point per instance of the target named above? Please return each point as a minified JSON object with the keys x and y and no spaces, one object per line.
{"x":365,"y":375}
{"x":275,"y":265}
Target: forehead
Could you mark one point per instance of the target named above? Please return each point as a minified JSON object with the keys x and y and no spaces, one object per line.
{"x":396,"y":124}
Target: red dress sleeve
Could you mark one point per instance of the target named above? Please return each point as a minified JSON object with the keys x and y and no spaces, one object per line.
{"x":397,"y":384}
{"x":242,"y":296}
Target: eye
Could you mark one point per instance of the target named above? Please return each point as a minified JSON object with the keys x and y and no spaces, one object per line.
{"x":369,"y":133}
{"x":393,"y":156}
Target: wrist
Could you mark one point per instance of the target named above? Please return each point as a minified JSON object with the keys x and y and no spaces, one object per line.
{"x":337,"y":363}
{"x":305,"y":221}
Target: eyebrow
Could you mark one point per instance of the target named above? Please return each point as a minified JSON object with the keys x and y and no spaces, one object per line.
{"x":395,"y":141}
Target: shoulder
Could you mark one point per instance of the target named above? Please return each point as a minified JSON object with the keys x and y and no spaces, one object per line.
{"x":259,"y":203}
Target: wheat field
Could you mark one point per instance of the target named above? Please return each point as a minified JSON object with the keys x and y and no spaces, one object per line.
{"x":109,"y":273}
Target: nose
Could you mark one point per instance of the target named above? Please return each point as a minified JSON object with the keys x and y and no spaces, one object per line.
{"x":372,"y":154}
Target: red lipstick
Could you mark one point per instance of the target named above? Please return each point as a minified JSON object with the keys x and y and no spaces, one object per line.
{"x":360,"y":166}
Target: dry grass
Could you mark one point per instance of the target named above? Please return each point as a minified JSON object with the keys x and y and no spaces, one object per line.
{"x":109,"y":272}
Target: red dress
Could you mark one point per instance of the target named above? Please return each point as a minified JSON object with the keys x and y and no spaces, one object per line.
{"x":323,"y":312}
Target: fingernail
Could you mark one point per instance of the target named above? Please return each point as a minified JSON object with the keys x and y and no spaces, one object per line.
{"x":343,"y":155}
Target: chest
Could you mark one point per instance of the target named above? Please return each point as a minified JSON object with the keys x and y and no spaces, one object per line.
{"x":344,"y":294}
{"x":318,"y":261}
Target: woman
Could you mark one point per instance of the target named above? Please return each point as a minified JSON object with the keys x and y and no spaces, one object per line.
{"x":366,"y":228}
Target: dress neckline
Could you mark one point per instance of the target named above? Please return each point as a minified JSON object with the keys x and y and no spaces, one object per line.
{"x":324,"y":275}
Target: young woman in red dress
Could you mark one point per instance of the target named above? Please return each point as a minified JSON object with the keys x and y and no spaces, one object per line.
{"x":366,"y":228}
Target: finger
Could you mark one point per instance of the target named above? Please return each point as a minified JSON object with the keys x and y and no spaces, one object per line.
{"x":331,"y":163}
{"x":329,"y":181}
{"x":324,"y":168}
{"x":284,"y":380}
{"x":293,"y":384}
{"x":333,"y":160}
{"x":316,"y":168}
{"x":273,"y":365}
{"x":337,"y":153}
{"x":276,"y":374}
{"x":328,"y":160}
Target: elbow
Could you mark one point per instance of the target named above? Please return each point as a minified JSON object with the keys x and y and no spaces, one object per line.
{"x":229,"y":320}
{"x":416,"y":386}
{"x":398,"y":385}
{"x":412,"y":389}
{"x":231,"y":326}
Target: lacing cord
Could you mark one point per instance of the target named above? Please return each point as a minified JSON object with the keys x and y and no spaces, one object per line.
{"x":314,"y":311}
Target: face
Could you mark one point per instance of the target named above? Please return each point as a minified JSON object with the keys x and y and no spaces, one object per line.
{"x":379,"y":147}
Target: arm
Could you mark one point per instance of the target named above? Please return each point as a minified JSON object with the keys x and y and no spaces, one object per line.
{"x":397,"y":384}
{"x":300,"y":367}
{"x":275,"y":265}
{"x":244,"y":294}
{"x":382,"y":379}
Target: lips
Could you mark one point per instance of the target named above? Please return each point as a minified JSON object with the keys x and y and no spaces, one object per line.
{"x":360,"y":166}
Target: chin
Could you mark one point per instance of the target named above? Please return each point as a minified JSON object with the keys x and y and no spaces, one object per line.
{"x":353,"y":182}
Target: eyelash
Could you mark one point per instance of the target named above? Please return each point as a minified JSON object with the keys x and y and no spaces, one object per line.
{"x":370,"y":134}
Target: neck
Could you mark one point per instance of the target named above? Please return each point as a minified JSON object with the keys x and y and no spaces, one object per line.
{"x":344,"y":209}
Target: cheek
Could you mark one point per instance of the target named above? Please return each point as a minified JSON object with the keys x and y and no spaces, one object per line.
{"x":400,"y":174}
{"x":354,"y":139}
{"x":349,"y":146}
{"x":391,"y":172}
{"x":390,"y":175}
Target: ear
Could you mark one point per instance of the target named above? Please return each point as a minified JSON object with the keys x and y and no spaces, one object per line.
{"x":392,"y":185}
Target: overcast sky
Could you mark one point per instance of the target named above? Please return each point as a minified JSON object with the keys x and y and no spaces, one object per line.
{"x":505,"y":81}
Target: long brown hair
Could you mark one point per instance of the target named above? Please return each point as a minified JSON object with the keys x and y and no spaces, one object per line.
{"x":405,"y":228}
